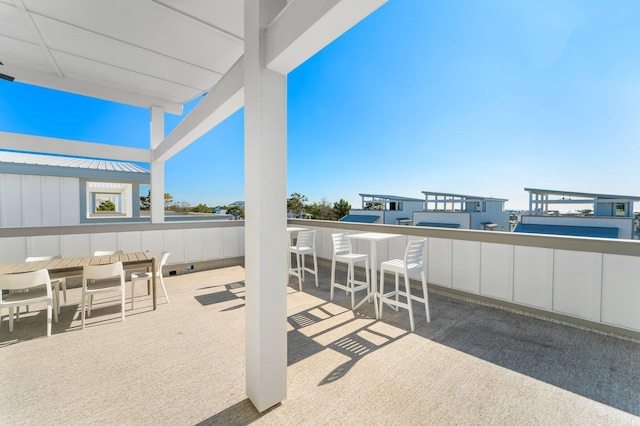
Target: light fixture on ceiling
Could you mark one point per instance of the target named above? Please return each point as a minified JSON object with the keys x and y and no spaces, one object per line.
{"x":5,"y":76}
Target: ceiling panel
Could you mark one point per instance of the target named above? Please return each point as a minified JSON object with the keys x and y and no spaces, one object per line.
{"x":78,"y":42}
{"x":224,"y":14}
{"x":23,"y":52}
{"x":150,"y":26}
{"x":12,"y":24}
{"x":107,"y":75}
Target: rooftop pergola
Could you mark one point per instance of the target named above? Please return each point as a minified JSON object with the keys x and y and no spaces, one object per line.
{"x":539,"y":199}
{"x":447,"y":197}
{"x":162,"y":54}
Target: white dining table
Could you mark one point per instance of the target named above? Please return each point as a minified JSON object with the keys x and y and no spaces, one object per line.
{"x":374,"y":238}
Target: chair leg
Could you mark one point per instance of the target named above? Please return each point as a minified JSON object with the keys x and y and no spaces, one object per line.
{"x":381,"y":294}
{"x":83,"y":305}
{"x":315,"y":267}
{"x":333,"y":278}
{"x":164,"y":289}
{"x":11,"y":319}
{"x":299,"y":271}
{"x":350,"y":279}
{"x":397,"y":291}
{"x":410,"y":307}
{"x":133,"y":292}
{"x":49,"y":310}
{"x":122,"y":301}
{"x":63,"y":283}
{"x":425,"y":295}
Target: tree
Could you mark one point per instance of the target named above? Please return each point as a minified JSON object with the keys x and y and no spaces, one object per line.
{"x":321,"y":210}
{"x":145,"y":202}
{"x":236,"y":211}
{"x":296,"y":203}
{"x":168,"y":200}
{"x":341,"y":208}
{"x":201,"y":208}
{"x":587,"y":212}
{"x":106,"y":206}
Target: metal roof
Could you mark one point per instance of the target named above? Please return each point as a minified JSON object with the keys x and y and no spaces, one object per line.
{"x":576,"y":231}
{"x":463,"y":197}
{"x":359,"y":218}
{"x":439,"y":225}
{"x":391,"y":197}
{"x":71,"y":162}
{"x":580,"y":194}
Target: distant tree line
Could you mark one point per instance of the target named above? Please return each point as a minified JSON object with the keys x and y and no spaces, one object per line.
{"x":183,"y":207}
{"x":298,"y":206}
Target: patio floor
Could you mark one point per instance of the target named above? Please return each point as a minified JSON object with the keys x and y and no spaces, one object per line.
{"x":184,"y":364}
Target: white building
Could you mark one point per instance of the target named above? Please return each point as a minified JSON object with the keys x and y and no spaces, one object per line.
{"x":610,"y":216}
{"x":384,"y":209}
{"x":447,"y":210}
{"x":48,"y":190}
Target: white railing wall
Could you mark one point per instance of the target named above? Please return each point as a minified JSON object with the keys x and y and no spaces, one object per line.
{"x":196,"y":241}
{"x":587,"y":280}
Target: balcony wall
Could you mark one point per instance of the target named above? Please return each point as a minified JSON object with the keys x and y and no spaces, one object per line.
{"x":188,"y":242}
{"x":586,"y":281}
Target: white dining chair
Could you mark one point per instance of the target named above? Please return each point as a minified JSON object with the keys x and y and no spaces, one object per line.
{"x":56,"y":283}
{"x":26,"y":289}
{"x":100,"y":279}
{"x":148,"y":276}
{"x":342,"y":252}
{"x":413,"y":262}
{"x":305,"y":245}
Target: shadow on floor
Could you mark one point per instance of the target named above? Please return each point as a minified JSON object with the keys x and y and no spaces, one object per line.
{"x":602,"y":368}
{"x":239,"y":414}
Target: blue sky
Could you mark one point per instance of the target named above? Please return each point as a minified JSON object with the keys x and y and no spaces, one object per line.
{"x":481,"y":98}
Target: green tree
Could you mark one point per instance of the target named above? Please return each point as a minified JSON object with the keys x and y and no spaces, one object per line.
{"x":296,"y":203}
{"x":321,"y":210}
{"x":201,"y":208}
{"x":106,"y":206}
{"x":236,"y":211}
{"x":341,"y":208}
{"x":168,"y":200}
{"x":145,"y":202}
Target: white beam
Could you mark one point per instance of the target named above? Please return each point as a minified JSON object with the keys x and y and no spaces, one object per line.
{"x":105,"y":92}
{"x":225,"y":98}
{"x":156,"y":134}
{"x":265,"y":153}
{"x":306,"y":26}
{"x":46,"y":145}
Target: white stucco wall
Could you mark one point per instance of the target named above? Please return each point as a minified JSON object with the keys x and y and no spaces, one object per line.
{"x":30,"y":200}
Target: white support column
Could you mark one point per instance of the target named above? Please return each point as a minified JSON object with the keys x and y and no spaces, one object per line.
{"x":157,"y":167}
{"x":265,"y":165}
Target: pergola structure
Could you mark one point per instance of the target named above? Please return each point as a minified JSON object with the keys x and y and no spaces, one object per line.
{"x":160,"y":54}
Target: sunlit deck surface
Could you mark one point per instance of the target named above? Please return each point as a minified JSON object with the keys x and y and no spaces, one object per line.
{"x":184,"y":364}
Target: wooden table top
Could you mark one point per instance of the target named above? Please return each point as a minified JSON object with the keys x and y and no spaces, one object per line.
{"x":74,"y":265}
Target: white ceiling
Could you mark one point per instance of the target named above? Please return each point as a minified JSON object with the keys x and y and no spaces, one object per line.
{"x":139,"y":52}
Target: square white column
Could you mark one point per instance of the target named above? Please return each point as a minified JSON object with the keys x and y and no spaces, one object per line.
{"x":157,"y":167}
{"x":266,"y":216}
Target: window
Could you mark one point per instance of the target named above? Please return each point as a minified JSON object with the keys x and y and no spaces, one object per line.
{"x":109,"y":199}
{"x":620,"y":210}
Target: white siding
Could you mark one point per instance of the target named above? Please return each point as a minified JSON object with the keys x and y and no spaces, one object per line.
{"x":29,"y":200}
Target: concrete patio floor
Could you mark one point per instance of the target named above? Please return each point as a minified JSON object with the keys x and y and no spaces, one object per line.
{"x":184,"y":364}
